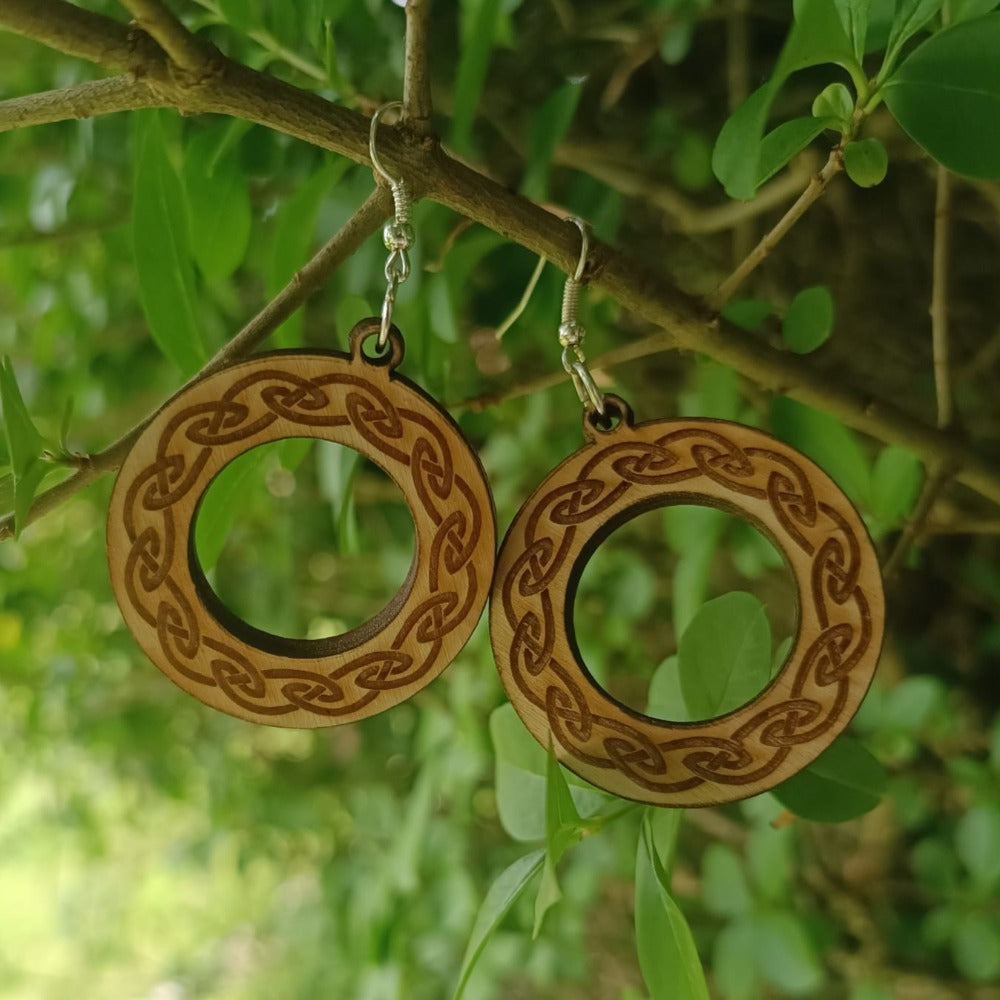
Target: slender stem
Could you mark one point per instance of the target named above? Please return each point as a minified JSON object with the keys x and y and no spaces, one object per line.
{"x":416,"y":76}
{"x":939,"y":297}
{"x":302,"y":285}
{"x":522,"y":304}
{"x":914,"y":528}
{"x":834,"y":165}
{"x":85,"y":100}
{"x":942,"y":375}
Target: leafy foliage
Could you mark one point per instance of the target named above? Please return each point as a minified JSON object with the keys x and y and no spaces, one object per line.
{"x":153,"y":848}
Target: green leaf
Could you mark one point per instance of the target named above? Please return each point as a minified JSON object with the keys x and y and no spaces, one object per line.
{"x":480,"y":20}
{"x":521,"y":766}
{"x":854,"y":16}
{"x":294,"y":231}
{"x":911,"y":16}
{"x":548,"y":127}
{"x":817,"y":36}
{"x":725,"y":655}
{"x":24,"y":445}
{"x":946,"y":96}
{"x":866,"y":162}
{"x":563,"y":828}
{"x":665,"y":700}
{"x":896,"y":479}
{"x":834,"y":102}
{"x":808,"y":321}
{"x":748,"y":314}
{"x":737,"y":149}
{"x":977,"y":837}
{"x":769,"y":859}
{"x":844,"y":782}
{"x":975,"y":947}
{"x":789,"y":138}
{"x":827,"y":442}
{"x":162,"y":248}
{"x":502,"y":895}
{"x":228,"y":495}
{"x":668,"y":957}
{"x":965,"y":10}
{"x":785,"y":954}
{"x":724,"y":888}
{"x":218,"y":203}
{"x":734,"y":960}
{"x":562,"y":820}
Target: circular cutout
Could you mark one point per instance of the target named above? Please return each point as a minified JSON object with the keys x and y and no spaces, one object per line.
{"x":660,"y":574}
{"x":352,"y":401}
{"x":303,"y":538}
{"x":704,"y":462}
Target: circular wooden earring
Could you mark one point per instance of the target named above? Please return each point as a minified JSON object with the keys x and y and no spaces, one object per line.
{"x":354,"y":400}
{"x":629,"y":468}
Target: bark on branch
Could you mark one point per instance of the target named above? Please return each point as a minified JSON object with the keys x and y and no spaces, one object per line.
{"x":688,"y":323}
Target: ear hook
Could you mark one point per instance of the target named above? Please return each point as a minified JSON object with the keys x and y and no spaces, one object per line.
{"x":584,"y":246}
{"x":571,"y":331}
{"x":397,"y":235}
{"x":372,"y":151}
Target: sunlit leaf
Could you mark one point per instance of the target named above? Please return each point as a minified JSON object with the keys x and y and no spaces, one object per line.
{"x":808,"y":320}
{"x":668,"y":957}
{"x":502,"y":895}
{"x":725,"y":655}
{"x":162,"y":246}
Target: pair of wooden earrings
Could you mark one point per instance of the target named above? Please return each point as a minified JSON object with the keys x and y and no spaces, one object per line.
{"x":624,"y":468}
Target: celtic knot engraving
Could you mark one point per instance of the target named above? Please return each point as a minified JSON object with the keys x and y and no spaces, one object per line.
{"x":294,"y":682}
{"x":741,"y":470}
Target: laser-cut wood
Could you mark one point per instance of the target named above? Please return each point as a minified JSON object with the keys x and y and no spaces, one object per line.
{"x":355,"y":401}
{"x":636,"y":467}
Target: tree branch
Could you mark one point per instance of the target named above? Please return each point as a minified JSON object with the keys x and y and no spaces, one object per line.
{"x":812,"y":194}
{"x":690,"y":324}
{"x":303,"y":284}
{"x":187,"y":52}
{"x":417,"y":108}
{"x":85,"y":100}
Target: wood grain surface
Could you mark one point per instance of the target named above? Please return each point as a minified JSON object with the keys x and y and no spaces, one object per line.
{"x":636,"y":467}
{"x":353,"y":400}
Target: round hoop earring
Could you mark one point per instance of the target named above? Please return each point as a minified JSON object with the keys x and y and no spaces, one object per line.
{"x":354,"y":399}
{"x":624,"y":469}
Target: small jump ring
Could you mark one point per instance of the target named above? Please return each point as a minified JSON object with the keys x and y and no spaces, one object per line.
{"x":372,"y":133}
{"x":584,"y":246}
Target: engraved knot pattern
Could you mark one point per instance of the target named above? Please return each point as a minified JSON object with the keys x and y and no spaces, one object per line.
{"x":354,"y":403}
{"x":737,"y":469}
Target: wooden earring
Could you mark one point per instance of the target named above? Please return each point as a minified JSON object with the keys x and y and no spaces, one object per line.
{"x":353,"y":400}
{"x":624,"y":470}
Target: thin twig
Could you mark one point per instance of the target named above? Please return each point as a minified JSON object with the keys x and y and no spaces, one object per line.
{"x":186,"y":51}
{"x":939,"y":297}
{"x":302,"y":285}
{"x":812,"y":194}
{"x":738,"y":89}
{"x":416,"y":75}
{"x":686,"y":216}
{"x":242,"y":92}
{"x":529,"y":290}
{"x":85,"y":100}
{"x":914,"y":529}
